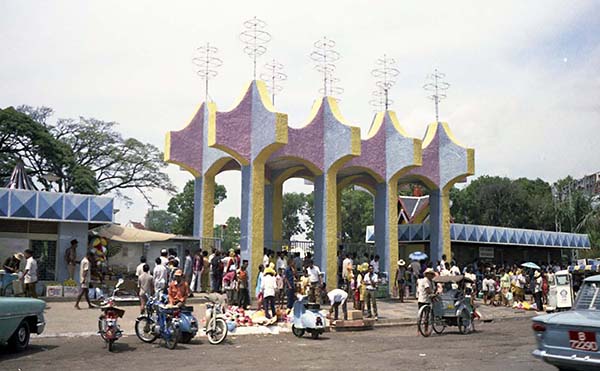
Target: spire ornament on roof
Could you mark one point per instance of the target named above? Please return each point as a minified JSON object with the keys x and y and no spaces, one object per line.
{"x":437,"y":87}
{"x":207,"y":63}
{"x":255,"y":37}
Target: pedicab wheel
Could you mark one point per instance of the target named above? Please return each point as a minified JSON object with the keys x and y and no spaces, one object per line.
{"x":298,"y":332}
{"x":20,"y":339}
{"x":171,"y":341}
{"x":465,"y":322}
{"x":144,"y":329}
{"x":425,"y":321}
{"x":219,"y":334}
{"x":437,"y":327}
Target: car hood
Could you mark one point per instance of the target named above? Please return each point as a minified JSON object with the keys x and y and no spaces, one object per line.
{"x":572,"y":318}
{"x":9,"y":305}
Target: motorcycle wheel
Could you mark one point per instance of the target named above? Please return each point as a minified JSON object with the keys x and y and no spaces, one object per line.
{"x":186,"y":337}
{"x":425,"y":321}
{"x":314,"y":334}
{"x":144,"y":329}
{"x":171,"y":341}
{"x":298,"y":332}
{"x":219,"y":333}
{"x":101,"y":329}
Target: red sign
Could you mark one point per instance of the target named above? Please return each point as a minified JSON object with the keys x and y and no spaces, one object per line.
{"x":583,"y":340}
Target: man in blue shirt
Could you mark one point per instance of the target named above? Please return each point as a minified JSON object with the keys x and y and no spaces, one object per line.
{"x":289,"y":284}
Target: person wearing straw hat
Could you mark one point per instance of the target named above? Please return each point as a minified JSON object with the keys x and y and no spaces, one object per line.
{"x":425,"y":288}
{"x":401,"y":279}
{"x":267,"y":286}
{"x":13,"y":263}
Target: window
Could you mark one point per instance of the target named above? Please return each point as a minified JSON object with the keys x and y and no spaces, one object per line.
{"x":45,"y":254}
{"x":562,"y":280}
{"x":588,"y":297}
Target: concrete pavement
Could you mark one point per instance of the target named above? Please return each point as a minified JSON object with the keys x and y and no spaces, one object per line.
{"x":64,"y":320}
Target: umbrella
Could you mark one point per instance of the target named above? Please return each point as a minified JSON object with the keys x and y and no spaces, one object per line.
{"x":418,"y":255}
{"x":530,"y":265}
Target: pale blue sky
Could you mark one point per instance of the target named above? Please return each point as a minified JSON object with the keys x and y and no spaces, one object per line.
{"x":524,"y":75}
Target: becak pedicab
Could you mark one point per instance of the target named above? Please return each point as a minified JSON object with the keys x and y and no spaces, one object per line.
{"x":452,"y":307}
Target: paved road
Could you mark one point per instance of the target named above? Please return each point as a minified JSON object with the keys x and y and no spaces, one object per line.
{"x":495,"y":346}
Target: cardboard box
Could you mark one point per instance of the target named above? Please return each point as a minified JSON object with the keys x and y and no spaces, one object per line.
{"x":54,"y":291}
{"x":70,"y":291}
{"x":354,"y":315}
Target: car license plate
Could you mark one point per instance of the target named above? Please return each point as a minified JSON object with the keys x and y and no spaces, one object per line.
{"x":583,"y":340}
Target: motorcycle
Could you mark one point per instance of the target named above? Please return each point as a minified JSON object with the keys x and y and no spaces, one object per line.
{"x":159,"y":321}
{"x":216,"y":325}
{"x":108,"y":328}
{"x":307,"y":318}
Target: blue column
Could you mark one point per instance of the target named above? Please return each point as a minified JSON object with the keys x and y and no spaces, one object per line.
{"x":382,"y":227}
{"x":320,"y":234}
{"x":246,"y":216}
{"x":436,"y":244}
{"x":268,"y":228}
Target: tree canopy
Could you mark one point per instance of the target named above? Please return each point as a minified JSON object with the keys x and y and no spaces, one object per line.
{"x":182,"y":206}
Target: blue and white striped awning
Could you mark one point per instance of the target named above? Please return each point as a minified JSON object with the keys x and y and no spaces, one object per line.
{"x":481,"y":234}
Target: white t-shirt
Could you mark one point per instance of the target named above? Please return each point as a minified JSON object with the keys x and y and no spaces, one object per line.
{"x":313,"y":274}
{"x":422,"y":285}
{"x":345,"y":264}
{"x":268,"y":285}
{"x":265,"y":261}
{"x":375,"y":265}
{"x":139,"y":269}
{"x":31,"y":268}
{"x":281,"y":264}
{"x":370,"y":280}
{"x":454,"y":271}
{"x":160,"y":273}
{"x":337,"y":296}
{"x":85,"y":273}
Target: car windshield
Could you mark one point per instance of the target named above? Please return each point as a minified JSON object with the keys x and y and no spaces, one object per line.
{"x":589,"y":297}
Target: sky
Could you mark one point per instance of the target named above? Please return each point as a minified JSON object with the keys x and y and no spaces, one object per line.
{"x":525,"y":81}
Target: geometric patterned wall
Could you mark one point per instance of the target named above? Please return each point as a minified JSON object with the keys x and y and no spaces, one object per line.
{"x":16,"y":203}
{"x":482,"y":234}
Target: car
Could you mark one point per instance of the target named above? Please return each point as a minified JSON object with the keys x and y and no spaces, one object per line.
{"x":19,"y":317}
{"x":569,"y":340}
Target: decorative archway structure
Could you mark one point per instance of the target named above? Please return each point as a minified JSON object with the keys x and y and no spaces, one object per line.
{"x":256,"y":139}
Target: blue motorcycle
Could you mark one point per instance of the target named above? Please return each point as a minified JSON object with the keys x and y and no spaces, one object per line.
{"x":159,"y":321}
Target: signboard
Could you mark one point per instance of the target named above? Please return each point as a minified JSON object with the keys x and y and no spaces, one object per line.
{"x":486,"y":252}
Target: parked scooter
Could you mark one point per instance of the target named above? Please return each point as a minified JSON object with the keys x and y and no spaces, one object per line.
{"x":307,"y":318}
{"x":216,"y":325}
{"x":158,"y":321}
{"x":108,"y":328}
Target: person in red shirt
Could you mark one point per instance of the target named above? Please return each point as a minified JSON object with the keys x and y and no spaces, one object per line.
{"x":178,"y":289}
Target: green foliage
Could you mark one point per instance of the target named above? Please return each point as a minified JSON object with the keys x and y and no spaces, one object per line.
{"x":357,"y":213}
{"x":231,"y":234}
{"x":160,"y":221}
{"x":182,"y":206}
{"x":87,"y":155}
{"x":294,"y":207}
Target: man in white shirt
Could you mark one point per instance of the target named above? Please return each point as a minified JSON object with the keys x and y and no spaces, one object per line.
{"x":454,"y":270}
{"x":314,"y":279}
{"x":164,"y":257}
{"x":346,"y":263}
{"x":85,"y":278}
{"x":30,"y":274}
{"x":281,"y":263}
{"x":375,"y":264}
{"x":338,"y":297}
{"x":159,"y":273}
{"x":140,"y":268}
{"x":425,"y":288}
{"x":370,"y":280}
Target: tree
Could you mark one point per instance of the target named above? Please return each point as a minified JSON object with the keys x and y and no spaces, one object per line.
{"x":231,"y":233}
{"x":357,"y":213}
{"x":93,"y":150}
{"x":23,"y":138}
{"x":294,"y":207}
{"x":160,"y":221}
{"x":182,"y":205}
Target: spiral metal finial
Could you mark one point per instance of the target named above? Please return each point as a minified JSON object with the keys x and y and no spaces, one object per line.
{"x":385,"y":72}
{"x":324,"y":55}
{"x":207,"y":64}
{"x":254,"y":37}
{"x":437,"y":87}
{"x":274,"y":75}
